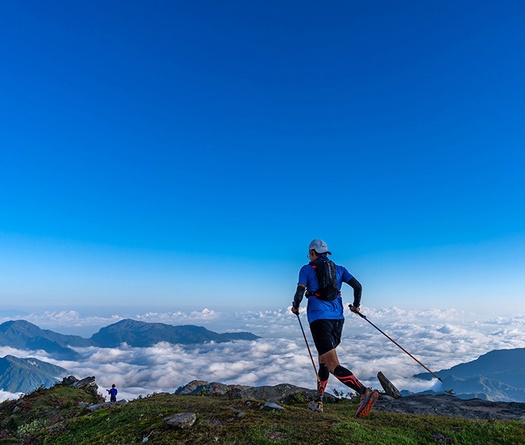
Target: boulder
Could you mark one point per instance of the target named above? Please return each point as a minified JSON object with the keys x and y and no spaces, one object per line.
{"x":272,"y":407}
{"x":181,"y":421}
{"x":387,"y":385}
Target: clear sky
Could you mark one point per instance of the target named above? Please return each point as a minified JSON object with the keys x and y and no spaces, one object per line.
{"x":183,"y":154}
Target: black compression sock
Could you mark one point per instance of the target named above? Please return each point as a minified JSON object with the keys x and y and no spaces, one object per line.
{"x":345,"y":376}
{"x":324,"y":373}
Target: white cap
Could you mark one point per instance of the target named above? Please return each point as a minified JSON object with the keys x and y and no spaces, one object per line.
{"x":319,"y":246}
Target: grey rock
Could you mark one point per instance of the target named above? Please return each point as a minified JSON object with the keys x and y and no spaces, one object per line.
{"x":98,"y":406}
{"x":201,"y":387}
{"x":181,"y":420}
{"x":87,"y":383}
{"x":388,"y":386}
{"x":272,"y":406}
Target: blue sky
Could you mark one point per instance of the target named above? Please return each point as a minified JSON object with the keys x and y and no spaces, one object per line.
{"x":171,"y":154}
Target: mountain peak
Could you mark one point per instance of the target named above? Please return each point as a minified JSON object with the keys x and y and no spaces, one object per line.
{"x":26,"y":374}
{"x":18,"y":325}
{"x":142,"y":334}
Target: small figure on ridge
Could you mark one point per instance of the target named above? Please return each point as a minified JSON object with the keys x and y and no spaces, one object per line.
{"x":112,"y":393}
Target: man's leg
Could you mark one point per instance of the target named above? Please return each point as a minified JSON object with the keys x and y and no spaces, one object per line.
{"x":344,"y":375}
{"x":324,"y":374}
{"x":368,"y":396}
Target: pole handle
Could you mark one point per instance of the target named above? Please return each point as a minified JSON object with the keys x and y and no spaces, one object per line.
{"x":356,"y":312}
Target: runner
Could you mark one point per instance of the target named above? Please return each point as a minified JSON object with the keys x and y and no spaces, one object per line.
{"x":326,"y":319}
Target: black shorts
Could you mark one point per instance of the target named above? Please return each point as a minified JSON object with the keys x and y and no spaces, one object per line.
{"x":326,"y":334}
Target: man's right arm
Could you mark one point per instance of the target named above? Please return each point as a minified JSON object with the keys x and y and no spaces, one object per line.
{"x":298,"y":297}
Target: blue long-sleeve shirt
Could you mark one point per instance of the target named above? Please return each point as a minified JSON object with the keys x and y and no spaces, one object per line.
{"x":321,"y":309}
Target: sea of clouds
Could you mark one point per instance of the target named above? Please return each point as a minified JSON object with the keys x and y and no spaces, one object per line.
{"x":439,"y":339}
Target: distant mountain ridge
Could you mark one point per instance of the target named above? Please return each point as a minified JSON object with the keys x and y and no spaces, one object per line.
{"x":498,"y":375}
{"x":141,"y":334}
{"x":21,"y":334}
{"x":27,"y":374}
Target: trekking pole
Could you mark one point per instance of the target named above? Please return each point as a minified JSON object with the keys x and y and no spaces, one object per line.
{"x":393,"y":341}
{"x":308,"y":347}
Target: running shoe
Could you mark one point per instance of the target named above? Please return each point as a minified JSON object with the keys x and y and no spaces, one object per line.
{"x":316,"y":406}
{"x":368,"y":400}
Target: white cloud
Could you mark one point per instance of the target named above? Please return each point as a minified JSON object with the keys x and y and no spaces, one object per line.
{"x":74,"y":323}
{"x":439,"y":339}
{"x":5,"y":395}
{"x":179,"y":316}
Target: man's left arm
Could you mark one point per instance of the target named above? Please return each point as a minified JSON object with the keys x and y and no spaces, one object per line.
{"x":358,"y":290}
{"x":349,"y":279}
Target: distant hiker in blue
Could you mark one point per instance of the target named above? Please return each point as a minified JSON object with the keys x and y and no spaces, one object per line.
{"x":322,"y":280}
{"x":112,"y":393}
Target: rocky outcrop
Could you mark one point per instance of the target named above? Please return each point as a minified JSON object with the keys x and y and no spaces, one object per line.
{"x":87,"y":383}
{"x":283,"y":393}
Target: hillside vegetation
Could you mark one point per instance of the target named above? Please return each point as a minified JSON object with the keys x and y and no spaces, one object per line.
{"x":60,"y":416}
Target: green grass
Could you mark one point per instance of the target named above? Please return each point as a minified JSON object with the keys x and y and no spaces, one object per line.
{"x":53,"y":417}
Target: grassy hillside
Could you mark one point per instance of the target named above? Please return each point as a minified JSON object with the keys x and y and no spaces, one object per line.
{"x":54,"y":417}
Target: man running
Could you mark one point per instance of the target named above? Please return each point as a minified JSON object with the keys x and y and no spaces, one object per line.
{"x":325,"y":316}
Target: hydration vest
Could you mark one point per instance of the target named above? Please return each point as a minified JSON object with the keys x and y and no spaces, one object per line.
{"x":325,"y":271}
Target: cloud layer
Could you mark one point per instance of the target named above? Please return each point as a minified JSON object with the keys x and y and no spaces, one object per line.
{"x":439,"y":339}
